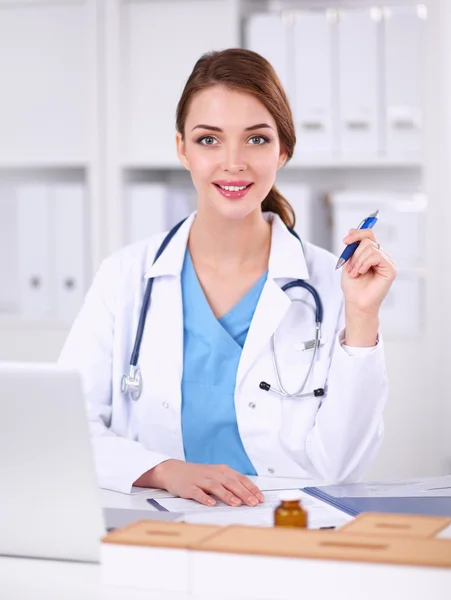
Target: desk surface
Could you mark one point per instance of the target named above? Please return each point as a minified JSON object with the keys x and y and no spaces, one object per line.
{"x":32,"y":579}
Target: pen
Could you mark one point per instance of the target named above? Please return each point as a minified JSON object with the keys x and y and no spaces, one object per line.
{"x":367,"y":223}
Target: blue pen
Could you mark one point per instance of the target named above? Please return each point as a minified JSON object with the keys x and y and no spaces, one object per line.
{"x":367,"y":223}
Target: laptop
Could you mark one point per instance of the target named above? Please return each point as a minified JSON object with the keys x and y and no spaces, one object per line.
{"x":49,"y":498}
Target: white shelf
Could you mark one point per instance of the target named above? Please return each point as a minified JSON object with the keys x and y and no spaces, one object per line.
{"x":6,"y":165}
{"x":311,"y":162}
{"x":11,"y":322}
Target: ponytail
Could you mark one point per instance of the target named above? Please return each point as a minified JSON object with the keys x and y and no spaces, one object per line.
{"x":276,"y":203}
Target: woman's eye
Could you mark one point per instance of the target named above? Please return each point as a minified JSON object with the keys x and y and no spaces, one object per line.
{"x":258,"y":140}
{"x":207,"y":140}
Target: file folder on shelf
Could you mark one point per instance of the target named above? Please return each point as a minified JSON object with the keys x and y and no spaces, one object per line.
{"x":430,"y":496}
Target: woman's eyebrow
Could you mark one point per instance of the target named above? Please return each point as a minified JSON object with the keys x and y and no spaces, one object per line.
{"x":219,"y":130}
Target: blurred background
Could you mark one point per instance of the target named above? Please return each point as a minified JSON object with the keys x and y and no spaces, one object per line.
{"x":88,"y":91}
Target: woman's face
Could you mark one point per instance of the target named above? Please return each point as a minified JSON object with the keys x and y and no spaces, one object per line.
{"x":232,"y":149}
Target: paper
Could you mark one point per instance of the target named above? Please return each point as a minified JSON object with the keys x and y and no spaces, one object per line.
{"x":427,"y":487}
{"x":445,"y":533}
{"x":262,"y":515}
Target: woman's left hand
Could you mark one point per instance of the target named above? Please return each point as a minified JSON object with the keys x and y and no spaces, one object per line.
{"x":367,"y":275}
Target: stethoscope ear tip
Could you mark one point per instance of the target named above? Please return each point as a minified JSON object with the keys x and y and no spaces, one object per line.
{"x":264,"y":386}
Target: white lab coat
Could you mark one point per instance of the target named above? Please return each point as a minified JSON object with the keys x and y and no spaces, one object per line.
{"x":330,"y":438}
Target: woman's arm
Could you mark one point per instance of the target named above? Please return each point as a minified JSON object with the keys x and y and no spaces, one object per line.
{"x":89,"y":349}
{"x":349,"y":426}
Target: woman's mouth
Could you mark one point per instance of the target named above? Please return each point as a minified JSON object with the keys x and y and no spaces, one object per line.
{"x":233,"y":189}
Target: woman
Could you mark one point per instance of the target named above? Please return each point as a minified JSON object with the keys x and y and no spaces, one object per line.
{"x":203,"y":423}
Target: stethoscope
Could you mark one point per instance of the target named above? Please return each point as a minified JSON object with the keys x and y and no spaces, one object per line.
{"x":132,"y":383}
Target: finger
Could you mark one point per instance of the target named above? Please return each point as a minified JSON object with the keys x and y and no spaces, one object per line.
{"x":376,"y":259}
{"x":365,"y":248}
{"x":196,"y":493}
{"x":357,"y":235}
{"x":226,"y":496}
{"x":248,"y":484}
{"x":236,"y":487}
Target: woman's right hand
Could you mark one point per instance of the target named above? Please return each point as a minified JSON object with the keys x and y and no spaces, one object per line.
{"x":197,"y":482}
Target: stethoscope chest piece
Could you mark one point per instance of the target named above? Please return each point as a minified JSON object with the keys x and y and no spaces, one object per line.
{"x":132,"y":383}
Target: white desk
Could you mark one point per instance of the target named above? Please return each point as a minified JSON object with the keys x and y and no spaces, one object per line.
{"x":32,"y":579}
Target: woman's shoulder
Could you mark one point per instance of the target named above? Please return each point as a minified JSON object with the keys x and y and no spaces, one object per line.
{"x":133,"y":259}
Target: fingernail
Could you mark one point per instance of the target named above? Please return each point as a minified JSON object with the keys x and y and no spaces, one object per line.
{"x":211,"y":502}
{"x":252,"y":501}
{"x":235,"y":502}
{"x":260,"y":497}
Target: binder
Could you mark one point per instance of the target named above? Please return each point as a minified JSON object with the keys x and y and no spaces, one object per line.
{"x":359,"y":82}
{"x":271,"y":36}
{"x":313,"y":80}
{"x":300,"y":198}
{"x":414,"y":497}
{"x":71,"y":241}
{"x":177,"y":207}
{"x":147,"y":210}
{"x":404,"y":31}
{"x":9,"y":290}
{"x":34,"y":251}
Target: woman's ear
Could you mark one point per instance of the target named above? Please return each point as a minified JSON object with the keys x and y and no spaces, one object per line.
{"x":181,"y":150}
{"x":283,"y":157}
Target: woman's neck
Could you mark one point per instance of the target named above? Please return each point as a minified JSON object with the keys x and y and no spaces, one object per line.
{"x":220,"y":242}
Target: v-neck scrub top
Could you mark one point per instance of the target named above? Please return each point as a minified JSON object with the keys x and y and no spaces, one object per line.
{"x":211,"y":353}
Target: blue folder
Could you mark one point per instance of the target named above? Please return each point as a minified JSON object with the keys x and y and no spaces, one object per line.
{"x":413,"y":497}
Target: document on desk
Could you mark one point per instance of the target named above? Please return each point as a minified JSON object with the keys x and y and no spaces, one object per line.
{"x":262,"y":515}
{"x":427,"y":487}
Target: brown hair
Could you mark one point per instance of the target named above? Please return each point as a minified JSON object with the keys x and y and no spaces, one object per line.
{"x":246,"y":71}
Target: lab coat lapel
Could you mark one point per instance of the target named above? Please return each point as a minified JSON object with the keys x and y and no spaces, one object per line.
{"x":271,"y":309}
{"x":286,"y":262}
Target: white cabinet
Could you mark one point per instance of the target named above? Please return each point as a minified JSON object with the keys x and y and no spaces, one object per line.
{"x":46,"y":76}
{"x":402,"y":313}
{"x":403,"y":62}
{"x":161,"y":42}
{"x":359,"y":82}
{"x":401,"y":231}
{"x":44,"y":250}
{"x":401,"y":226}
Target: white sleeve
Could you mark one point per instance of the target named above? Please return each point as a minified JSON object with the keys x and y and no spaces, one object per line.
{"x":89,"y":349}
{"x":349,"y":424}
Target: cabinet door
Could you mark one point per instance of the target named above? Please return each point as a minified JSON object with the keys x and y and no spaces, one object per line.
{"x":271,"y":36}
{"x":162,"y":42}
{"x":313,"y":80}
{"x":45,"y":76}
{"x":404,"y":28}
{"x":359,"y":82}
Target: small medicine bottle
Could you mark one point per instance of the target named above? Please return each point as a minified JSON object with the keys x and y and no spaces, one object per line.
{"x":290,"y":513}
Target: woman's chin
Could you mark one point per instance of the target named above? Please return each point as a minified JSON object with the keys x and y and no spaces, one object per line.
{"x":236,"y":210}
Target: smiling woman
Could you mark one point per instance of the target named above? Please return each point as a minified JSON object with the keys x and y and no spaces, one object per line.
{"x":225,"y":286}
{"x":228,"y":90}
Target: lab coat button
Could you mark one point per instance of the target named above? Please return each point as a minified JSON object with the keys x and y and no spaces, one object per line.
{"x":165,"y":405}
{"x":251,"y":404}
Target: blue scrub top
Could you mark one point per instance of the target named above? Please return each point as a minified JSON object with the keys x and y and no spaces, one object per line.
{"x":211,"y":353}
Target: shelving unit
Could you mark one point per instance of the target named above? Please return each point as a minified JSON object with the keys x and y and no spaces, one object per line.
{"x":92,"y":87}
